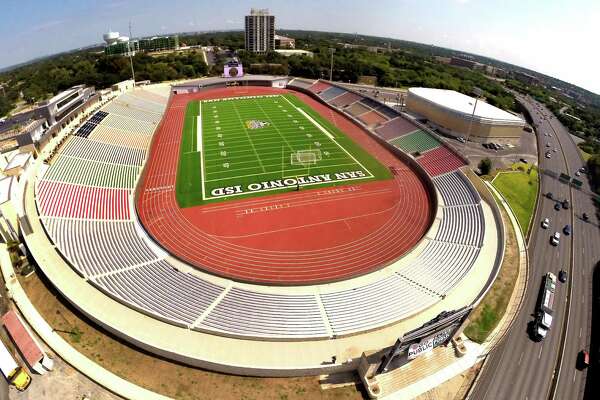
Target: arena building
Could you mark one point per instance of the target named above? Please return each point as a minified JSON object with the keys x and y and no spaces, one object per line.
{"x":456,"y":114}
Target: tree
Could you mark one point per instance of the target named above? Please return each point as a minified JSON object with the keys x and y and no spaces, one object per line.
{"x":485,"y":166}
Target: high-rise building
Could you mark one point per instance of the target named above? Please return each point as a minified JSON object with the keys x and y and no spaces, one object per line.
{"x":260,"y":31}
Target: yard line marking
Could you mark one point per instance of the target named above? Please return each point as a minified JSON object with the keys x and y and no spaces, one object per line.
{"x":330,"y":136}
{"x":202,"y":174}
{"x":248,"y":135}
{"x":199,"y":128}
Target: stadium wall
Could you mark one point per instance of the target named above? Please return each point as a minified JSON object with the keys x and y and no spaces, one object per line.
{"x":457,"y":124}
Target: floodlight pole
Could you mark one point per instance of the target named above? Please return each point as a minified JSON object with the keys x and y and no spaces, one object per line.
{"x":129,"y":51}
{"x":331,"y":50}
{"x":477,"y":92}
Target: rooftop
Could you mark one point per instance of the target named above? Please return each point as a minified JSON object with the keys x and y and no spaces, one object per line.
{"x":463,"y":104}
{"x":18,"y":160}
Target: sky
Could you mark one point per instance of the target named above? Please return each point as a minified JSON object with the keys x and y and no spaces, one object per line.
{"x":559,"y":38}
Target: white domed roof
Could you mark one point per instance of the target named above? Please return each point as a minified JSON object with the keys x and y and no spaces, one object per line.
{"x":110,"y":37}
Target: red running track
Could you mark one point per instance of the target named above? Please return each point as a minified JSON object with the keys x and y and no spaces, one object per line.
{"x":307,"y":237}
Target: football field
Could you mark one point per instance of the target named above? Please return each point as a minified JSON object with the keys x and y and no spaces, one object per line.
{"x":248,"y":146}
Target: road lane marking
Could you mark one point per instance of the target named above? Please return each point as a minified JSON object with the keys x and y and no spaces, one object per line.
{"x":574,"y":373}
{"x":520,"y":359}
{"x":540,"y":355}
{"x":580,"y":329}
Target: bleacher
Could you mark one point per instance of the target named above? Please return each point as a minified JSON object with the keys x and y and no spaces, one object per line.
{"x":395,"y":128}
{"x":103,"y":152}
{"x":301,"y":83}
{"x":376,"y":304}
{"x":439,"y":161}
{"x":372,"y":118}
{"x":249,"y":313}
{"x":92,"y":173}
{"x":331,"y":93}
{"x":99,"y":247}
{"x":59,"y":199}
{"x":462,"y":225}
{"x":416,"y":142}
{"x":160,"y":290}
{"x":319,"y":86}
{"x":345,"y":100}
{"x":441,"y":266}
{"x":456,"y":190}
{"x":357,"y":109}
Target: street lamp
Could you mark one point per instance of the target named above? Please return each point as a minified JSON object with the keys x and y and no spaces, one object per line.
{"x":331,"y":50}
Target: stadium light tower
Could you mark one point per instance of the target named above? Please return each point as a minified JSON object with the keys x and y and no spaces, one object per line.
{"x":331,"y":50}
{"x":477,"y":92}
{"x":129,"y":51}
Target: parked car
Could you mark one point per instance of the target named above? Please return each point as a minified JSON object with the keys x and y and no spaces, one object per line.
{"x":523,"y":160}
{"x":461,"y":139}
{"x":562,"y":275}
{"x":557,"y":206}
{"x":567,"y":229}
{"x":582,"y":170}
{"x":555,"y":239}
{"x":545,"y":223}
{"x":555,"y":150}
{"x":577,"y":173}
{"x":549,"y":195}
{"x":486,"y":145}
{"x":548,"y":144}
{"x":565,"y":204}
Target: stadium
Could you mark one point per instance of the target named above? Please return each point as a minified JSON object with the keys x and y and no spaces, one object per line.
{"x":456,"y":114}
{"x":264,"y":226}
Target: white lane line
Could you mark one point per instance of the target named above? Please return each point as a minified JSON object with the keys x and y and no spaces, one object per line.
{"x":540,"y":355}
{"x":520,"y":359}
{"x":580,"y":330}
{"x":574,"y":373}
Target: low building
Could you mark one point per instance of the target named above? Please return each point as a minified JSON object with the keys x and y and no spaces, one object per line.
{"x":456,"y":114}
{"x":124,"y":46}
{"x":526,"y":78}
{"x":123,"y":86}
{"x":17,"y":164}
{"x":284,"y":42}
{"x":465,"y":63}
{"x":294,"y":52}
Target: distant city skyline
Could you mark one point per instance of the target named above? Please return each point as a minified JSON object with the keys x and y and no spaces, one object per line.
{"x":555,"y":38}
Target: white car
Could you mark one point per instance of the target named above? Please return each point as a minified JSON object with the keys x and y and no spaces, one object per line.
{"x":548,"y":155}
{"x":577,"y":173}
{"x":545,"y":223}
{"x":547,"y":144}
{"x":555,"y":239}
{"x":555,"y":150}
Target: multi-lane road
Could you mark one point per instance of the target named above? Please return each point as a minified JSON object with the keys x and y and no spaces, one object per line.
{"x":520,"y":368}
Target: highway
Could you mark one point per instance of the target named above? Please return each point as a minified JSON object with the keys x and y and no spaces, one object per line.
{"x":520,"y":368}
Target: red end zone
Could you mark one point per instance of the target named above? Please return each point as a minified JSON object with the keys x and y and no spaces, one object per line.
{"x":306,"y":237}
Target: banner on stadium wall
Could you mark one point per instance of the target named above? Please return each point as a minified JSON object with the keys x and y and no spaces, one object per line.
{"x":429,"y":343}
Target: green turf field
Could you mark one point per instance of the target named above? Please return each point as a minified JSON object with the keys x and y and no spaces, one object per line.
{"x":251,"y":146}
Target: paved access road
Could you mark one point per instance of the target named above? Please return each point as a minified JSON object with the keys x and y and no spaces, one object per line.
{"x":520,"y":368}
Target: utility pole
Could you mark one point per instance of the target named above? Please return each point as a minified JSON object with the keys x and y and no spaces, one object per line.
{"x":129,"y":51}
{"x":332,"y":50}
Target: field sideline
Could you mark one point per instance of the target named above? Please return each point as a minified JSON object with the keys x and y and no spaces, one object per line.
{"x":249,"y":146}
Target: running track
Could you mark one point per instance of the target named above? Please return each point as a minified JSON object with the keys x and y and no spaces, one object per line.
{"x":307,"y":237}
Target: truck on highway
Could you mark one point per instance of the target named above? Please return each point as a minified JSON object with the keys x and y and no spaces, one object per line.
{"x":13,"y":373}
{"x":544,"y":311}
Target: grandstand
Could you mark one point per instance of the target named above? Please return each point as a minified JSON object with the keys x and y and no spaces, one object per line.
{"x":85,"y":200}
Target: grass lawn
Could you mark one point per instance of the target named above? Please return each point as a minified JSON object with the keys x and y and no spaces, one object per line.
{"x":586,"y":156}
{"x":244,"y":147}
{"x":520,"y":190}
{"x":486,"y":316}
